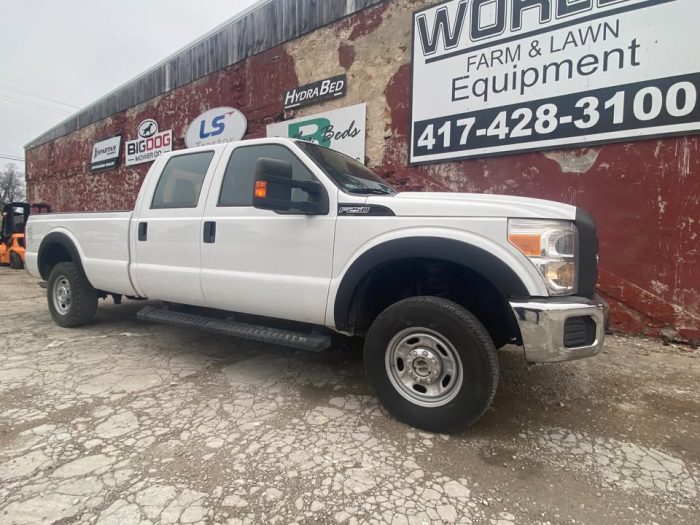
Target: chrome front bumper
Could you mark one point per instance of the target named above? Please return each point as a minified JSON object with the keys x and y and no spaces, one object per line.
{"x":542,"y":324}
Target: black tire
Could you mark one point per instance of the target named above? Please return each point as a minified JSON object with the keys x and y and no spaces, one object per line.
{"x":81,"y":307}
{"x":466,"y":340}
{"x":16,"y":261}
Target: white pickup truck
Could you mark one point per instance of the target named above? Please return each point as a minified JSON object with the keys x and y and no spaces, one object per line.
{"x":285,"y":242}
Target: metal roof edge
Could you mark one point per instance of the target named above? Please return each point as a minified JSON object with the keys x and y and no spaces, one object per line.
{"x":73,"y":121}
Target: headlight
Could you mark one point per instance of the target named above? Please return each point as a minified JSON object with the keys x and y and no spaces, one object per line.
{"x":551,"y":246}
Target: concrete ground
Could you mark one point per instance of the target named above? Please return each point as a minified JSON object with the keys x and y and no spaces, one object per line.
{"x":122,"y":422}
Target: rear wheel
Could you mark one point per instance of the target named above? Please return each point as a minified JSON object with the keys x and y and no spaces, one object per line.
{"x":16,"y":261}
{"x":432,"y":364}
{"x":72,"y":299}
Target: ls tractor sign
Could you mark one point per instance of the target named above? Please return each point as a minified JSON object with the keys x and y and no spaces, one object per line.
{"x":216,"y":126}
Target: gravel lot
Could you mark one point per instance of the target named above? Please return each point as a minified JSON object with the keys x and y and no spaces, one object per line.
{"x":122,"y":422}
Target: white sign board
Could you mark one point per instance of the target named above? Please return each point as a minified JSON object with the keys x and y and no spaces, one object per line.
{"x":498,"y":76}
{"x":216,"y":126}
{"x":342,"y":130}
{"x":150,"y":145}
{"x":105,"y":154}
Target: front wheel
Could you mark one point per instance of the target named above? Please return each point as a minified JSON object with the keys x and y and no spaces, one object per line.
{"x":72,"y":299}
{"x":432,"y":364}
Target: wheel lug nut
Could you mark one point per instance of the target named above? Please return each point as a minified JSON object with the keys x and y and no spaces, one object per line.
{"x":414,"y":353}
{"x":425,"y":354}
{"x":434,"y":372}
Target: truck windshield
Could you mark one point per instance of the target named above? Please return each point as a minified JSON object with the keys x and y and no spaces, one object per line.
{"x":346,"y":172}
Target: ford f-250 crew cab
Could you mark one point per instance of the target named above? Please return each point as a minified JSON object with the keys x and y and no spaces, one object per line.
{"x":286,"y":242}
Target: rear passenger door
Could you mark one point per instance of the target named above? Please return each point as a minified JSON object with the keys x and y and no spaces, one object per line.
{"x":168,"y":229}
{"x":259,"y":261}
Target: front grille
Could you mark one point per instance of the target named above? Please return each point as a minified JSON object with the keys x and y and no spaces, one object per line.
{"x":579,"y":331}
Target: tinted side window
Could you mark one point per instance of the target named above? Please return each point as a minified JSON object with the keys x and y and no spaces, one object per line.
{"x":181,"y":181}
{"x":237,"y":186}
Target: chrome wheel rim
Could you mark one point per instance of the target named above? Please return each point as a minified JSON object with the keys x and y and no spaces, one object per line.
{"x":62,"y":295}
{"x":424,"y":367}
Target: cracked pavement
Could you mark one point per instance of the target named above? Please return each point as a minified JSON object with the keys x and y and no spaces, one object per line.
{"x":122,"y":422}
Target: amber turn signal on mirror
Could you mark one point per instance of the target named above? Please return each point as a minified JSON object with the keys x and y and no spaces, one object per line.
{"x":261,"y":189}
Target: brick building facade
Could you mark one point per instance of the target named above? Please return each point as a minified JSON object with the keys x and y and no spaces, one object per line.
{"x":644,"y":194}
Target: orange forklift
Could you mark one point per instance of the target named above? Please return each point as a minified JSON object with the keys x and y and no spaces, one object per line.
{"x":14,"y":219}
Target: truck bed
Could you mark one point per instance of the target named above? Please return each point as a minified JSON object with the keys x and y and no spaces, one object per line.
{"x":101,"y":238}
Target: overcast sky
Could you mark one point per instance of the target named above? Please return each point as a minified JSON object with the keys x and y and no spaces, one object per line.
{"x":72,"y":52}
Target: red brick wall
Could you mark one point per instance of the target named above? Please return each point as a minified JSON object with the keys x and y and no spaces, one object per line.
{"x":59,"y":172}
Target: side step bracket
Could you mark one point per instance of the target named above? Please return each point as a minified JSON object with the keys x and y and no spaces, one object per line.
{"x":261,"y":334}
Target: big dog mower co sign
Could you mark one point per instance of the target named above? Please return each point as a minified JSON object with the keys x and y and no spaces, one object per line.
{"x":150,"y":143}
{"x":498,"y":76}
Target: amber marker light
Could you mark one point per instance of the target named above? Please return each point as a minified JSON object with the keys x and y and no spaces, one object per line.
{"x":528,"y":243}
{"x":261,"y":189}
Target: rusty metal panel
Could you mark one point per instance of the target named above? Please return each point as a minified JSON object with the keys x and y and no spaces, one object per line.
{"x":266,"y":25}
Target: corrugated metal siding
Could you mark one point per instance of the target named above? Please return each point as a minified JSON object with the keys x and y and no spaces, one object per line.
{"x":265,"y":26}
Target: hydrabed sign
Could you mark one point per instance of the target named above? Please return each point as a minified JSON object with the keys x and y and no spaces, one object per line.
{"x":498,"y":76}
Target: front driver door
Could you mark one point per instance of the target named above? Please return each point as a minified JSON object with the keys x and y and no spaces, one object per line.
{"x":262,"y":262}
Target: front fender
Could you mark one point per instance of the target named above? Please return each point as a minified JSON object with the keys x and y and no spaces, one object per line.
{"x":510,"y":273}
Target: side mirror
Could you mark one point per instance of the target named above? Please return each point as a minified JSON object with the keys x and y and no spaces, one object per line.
{"x":273,"y":189}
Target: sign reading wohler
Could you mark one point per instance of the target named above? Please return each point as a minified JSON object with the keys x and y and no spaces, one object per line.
{"x":105,"y":154}
{"x":327,"y":89}
{"x":499,"y":76}
{"x":342,"y":130}
{"x":150,"y":145}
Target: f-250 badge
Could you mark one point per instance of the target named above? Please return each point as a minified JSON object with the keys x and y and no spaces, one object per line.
{"x":354,"y":210}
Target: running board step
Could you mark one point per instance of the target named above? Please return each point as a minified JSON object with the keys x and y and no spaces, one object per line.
{"x":261,"y":334}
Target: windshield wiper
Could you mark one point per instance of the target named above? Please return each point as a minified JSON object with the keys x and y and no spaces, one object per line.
{"x":372,"y":191}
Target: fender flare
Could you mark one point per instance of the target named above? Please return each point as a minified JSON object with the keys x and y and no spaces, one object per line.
{"x":57,"y":238}
{"x":489,"y":266}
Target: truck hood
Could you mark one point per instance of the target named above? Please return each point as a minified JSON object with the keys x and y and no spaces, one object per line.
{"x":434,"y":204}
